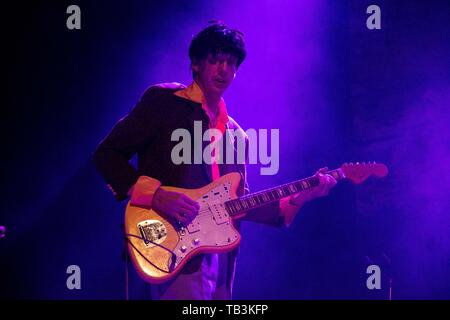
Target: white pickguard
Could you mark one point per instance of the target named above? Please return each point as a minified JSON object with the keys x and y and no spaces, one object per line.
{"x":212,"y":227}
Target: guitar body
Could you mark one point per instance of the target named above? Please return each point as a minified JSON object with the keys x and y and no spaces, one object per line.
{"x":159,"y":248}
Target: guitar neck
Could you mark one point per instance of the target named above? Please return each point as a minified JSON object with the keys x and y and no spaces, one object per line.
{"x":261,"y":198}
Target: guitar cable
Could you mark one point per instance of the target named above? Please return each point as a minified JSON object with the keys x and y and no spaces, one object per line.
{"x":172,"y":259}
{"x":127,"y":240}
{"x":127,"y":297}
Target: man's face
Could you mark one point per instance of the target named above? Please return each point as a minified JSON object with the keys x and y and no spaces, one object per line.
{"x":215,"y":73}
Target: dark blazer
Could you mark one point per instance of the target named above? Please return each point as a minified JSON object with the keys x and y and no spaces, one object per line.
{"x":146,"y":131}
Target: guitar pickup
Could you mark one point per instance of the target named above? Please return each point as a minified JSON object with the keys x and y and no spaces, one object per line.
{"x":219,"y":213}
{"x":194,"y":226}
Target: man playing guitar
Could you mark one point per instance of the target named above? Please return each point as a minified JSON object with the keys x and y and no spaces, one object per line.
{"x":216,"y":54}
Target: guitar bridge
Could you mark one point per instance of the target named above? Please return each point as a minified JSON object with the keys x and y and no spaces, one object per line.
{"x":153,"y":232}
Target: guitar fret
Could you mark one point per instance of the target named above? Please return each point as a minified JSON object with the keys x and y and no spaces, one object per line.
{"x":233,"y":203}
{"x":280,"y":192}
{"x":259,"y":199}
{"x":229,"y":207}
{"x":238,"y":205}
{"x":292,"y":188}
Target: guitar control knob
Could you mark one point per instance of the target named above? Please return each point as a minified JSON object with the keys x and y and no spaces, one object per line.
{"x":183,"y":249}
{"x":196,"y":241}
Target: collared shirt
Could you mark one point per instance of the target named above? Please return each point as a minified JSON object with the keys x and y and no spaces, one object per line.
{"x":216,"y":121}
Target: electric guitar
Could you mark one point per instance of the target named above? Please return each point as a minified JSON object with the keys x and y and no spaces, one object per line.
{"x":159,"y":247}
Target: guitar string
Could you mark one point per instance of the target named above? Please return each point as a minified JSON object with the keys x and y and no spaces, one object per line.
{"x":207,"y":211}
{"x":254,"y":195}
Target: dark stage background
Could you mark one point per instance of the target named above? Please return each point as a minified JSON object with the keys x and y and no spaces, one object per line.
{"x":337,"y":91}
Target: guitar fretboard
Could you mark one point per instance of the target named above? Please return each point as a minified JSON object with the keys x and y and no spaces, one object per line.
{"x":258,"y":199}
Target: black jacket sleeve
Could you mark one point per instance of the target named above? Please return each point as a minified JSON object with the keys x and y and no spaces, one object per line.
{"x":135,"y":130}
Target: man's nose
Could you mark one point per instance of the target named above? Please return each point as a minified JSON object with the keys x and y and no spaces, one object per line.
{"x":224,"y":66}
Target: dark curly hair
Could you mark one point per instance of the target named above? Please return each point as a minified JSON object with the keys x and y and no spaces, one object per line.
{"x":217,"y":38}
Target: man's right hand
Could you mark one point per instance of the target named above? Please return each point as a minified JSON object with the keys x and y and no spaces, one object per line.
{"x":175,"y":205}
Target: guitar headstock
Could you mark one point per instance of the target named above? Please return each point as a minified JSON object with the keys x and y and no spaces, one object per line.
{"x":358,"y":172}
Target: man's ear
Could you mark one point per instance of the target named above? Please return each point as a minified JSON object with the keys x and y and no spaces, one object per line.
{"x":195,"y":66}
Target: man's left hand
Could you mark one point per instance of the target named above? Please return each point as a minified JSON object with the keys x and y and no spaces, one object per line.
{"x":326,"y":183}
